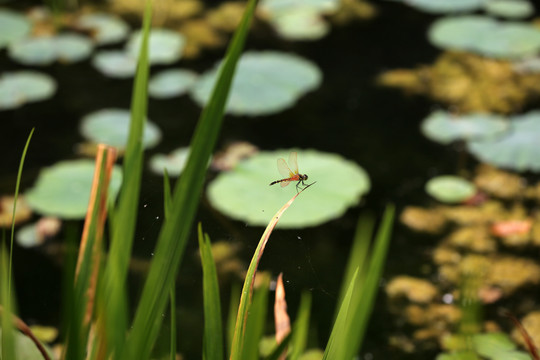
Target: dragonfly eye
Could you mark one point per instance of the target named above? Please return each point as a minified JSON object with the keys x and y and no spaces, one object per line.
{"x":305,"y":177}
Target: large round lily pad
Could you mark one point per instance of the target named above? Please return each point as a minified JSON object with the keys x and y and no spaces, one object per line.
{"x":244,"y":192}
{"x":63,"y":190}
{"x":450,"y":189}
{"x":517,"y":149}
{"x":513,"y":9}
{"x":170,"y":83}
{"x":111,"y":127}
{"x":485,"y":36}
{"x":445,"y":127}
{"x":107,"y":28}
{"x":115,"y":64}
{"x":164,"y":46}
{"x":13,"y":27}
{"x":66,"y":48}
{"x":265,"y":82}
{"x":20,"y":87}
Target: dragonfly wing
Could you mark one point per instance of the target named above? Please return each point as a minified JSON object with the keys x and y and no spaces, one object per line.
{"x":293,"y":162}
{"x":284,"y":169}
{"x":284,"y":183}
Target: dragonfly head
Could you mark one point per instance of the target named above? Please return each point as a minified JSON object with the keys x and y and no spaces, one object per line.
{"x":304,"y":177}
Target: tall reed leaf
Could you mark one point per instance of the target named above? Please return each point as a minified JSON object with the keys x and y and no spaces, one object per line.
{"x":176,"y":229}
{"x":213,"y":330}
{"x":125,"y":219}
{"x":301,"y":327}
{"x":350,"y":325}
{"x":7,"y":332}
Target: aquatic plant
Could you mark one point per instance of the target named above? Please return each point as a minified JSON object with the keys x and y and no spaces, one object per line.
{"x":171,"y":83}
{"x":13,"y":27}
{"x":20,"y":87}
{"x":450,"y":189}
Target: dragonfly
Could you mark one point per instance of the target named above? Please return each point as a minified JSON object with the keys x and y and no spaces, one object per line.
{"x":288,"y":174}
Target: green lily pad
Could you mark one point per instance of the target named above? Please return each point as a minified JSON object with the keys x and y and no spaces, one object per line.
{"x":445,"y":127}
{"x":485,"y":36}
{"x":115,"y":64}
{"x":450,"y":189}
{"x":20,"y":87}
{"x":63,"y":190}
{"x":265,"y":82}
{"x":164,"y":46}
{"x":299,"y":19}
{"x":13,"y":27}
{"x":111,"y":127}
{"x":243,"y":193}
{"x":173,"y":162}
{"x":445,"y":6}
{"x":26,"y":349}
{"x":491,"y":344}
{"x":107,"y":28}
{"x":517,"y":149}
{"x":513,"y":9}
{"x":170,"y":83}
{"x":66,"y":48}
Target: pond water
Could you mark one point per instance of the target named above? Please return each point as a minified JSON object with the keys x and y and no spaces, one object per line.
{"x":349,"y":114}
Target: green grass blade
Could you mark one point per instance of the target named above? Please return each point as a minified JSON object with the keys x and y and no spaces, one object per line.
{"x":256,"y":321}
{"x":113,"y":292}
{"x":231,"y":317}
{"x":167,"y":197}
{"x":213,"y":333}
{"x":7,"y":330}
{"x":280,"y":348}
{"x":173,"y":323}
{"x":15,"y":197}
{"x":176,"y":229}
{"x":301,"y":327}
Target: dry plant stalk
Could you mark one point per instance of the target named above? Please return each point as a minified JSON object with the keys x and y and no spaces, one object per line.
{"x":281,"y":318}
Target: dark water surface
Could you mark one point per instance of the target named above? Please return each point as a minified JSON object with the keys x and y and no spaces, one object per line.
{"x":378,"y":128}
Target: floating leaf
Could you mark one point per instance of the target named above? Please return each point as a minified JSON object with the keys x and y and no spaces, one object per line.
{"x":445,"y":6}
{"x":513,"y":9}
{"x":518,"y":149}
{"x":243,"y":193}
{"x":485,"y":36}
{"x":35,"y":234}
{"x":265,"y":83}
{"x":450,"y":189}
{"x":19,"y":87}
{"x":173,"y":162}
{"x":445,"y":127}
{"x":107,"y":28}
{"x":66,"y":48}
{"x":114,"y":63}
{"x":299,"y":19}
{"x":63,"y":190}
{"x":164,"y":46}
{"x":111,"y":127}
{"x":171,"y":83}
{"x":13,"y":27}
{"x":491,"y":344}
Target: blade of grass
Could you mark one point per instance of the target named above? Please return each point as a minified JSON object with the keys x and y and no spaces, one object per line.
{"x":8,"y":333}
{"x":257,"y":319}
{"x":213,"y":333}
{"x":280,"y":348}
{"x":301,"y":327}
{"x":125,"y":219}
{"x":15,"y":197}
{"x":176,"y":229}
{"x":247,"y":289}
{"x":234,"y":302}
{"x":173,"y":323}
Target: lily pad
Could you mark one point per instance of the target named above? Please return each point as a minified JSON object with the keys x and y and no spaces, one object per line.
{"x":450,"y":189}
{"x":66,"y":48}
{"x":489,"y":345}
{"x":299,"y":19}
{"x":35,"y":234}
{"x":517,"y":150}
{"x":265,"y":83}
{"x":170,"y":83}
{"x":111,"y":127}
{"x":20,"y":87}
{"x":243,"y":193}
{"x":445,"y":6}
{"x":485,"y":36}
{"x":107,"y":28}
{"x":63,"y":190}
{"x":13,"y":27}
{"x":115,"y":64}
{"x":173,"y":162}
{"x":513,"y":9}
{"x":164,"y":46}
{"x":445,"y":127}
